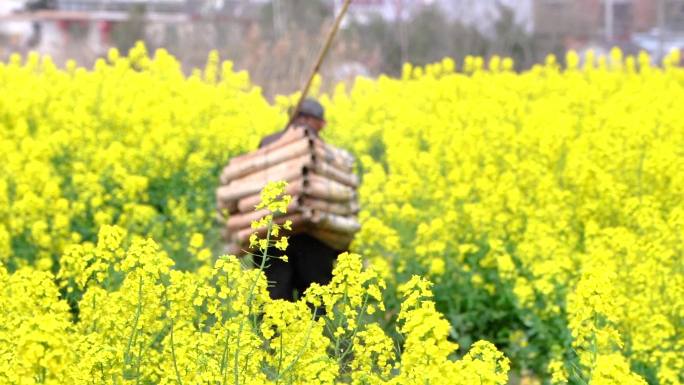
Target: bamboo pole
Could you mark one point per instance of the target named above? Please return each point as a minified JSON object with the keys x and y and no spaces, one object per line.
{"x":323,"y":152}
{"x":281,"y":171}
{"x":338,"y":208}
{"x":319,"y":61}
{"x":267,"y":159}
{"x":319,"y":187}
{"x":292,"y":134}
{"x":335,"y":223}
{"x":328,"y":170}
{"x":345,"y":155}
{"x":235,"y":192}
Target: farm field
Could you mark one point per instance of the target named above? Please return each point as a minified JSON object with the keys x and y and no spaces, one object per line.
{"x":514,"y":226}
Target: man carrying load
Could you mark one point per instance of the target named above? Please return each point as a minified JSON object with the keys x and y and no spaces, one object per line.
{"x":323,"y":187}
{"x":309,"y":260}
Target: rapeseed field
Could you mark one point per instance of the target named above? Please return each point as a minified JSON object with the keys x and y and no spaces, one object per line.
{"x":514,"y":225}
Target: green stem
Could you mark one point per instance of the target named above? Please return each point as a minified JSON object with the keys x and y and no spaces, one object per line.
{"x":138,"y":310}
{"x":173,"y":354}
{"x":339,"y":323}
{"x":302,"y":350}
{"x":224,"y":356}
{"x":250,"y":299}
{"x":356,"y":329}
{"x":280,"y":354}
{"x":138,"y":364}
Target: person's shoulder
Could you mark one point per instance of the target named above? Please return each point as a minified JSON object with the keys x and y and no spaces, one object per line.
{"x":271,"y":138}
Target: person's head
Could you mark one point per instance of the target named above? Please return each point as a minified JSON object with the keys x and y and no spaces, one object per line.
{"x":311,"y":113}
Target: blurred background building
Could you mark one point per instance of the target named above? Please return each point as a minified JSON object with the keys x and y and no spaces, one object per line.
{"x":276,"y":40}
{"x":656,"y":26}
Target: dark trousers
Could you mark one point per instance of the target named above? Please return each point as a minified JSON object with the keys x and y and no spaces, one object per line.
{"x":309,"y":260}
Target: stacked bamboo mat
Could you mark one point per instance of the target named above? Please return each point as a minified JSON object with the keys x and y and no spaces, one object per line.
{"x":320,"y":180}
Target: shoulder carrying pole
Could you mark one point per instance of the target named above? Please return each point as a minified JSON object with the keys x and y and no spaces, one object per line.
{"x":319,"y":61}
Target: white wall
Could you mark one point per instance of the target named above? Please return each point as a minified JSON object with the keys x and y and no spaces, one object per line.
{"x":17,"y":31}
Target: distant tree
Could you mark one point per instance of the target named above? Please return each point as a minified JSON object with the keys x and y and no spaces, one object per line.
{"x":430,"y":37}
{"x":377,"y":35}
{"x":512,"y":40}
{"x":126,"y":34}
{"x":303,"y":15}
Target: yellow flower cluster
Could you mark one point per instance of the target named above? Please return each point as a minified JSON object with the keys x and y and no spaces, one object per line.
{"x":140,"y":322}
{"x":132,"y":143}
{"x":549,"y":202}
{"x":545,"y":207}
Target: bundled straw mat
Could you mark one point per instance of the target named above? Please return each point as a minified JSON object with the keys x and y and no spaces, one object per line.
{"x":320,"y":180}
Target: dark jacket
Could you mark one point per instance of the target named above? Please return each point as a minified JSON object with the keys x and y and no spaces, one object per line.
{"x":275,"y":136}
{"x":271,"y":138}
